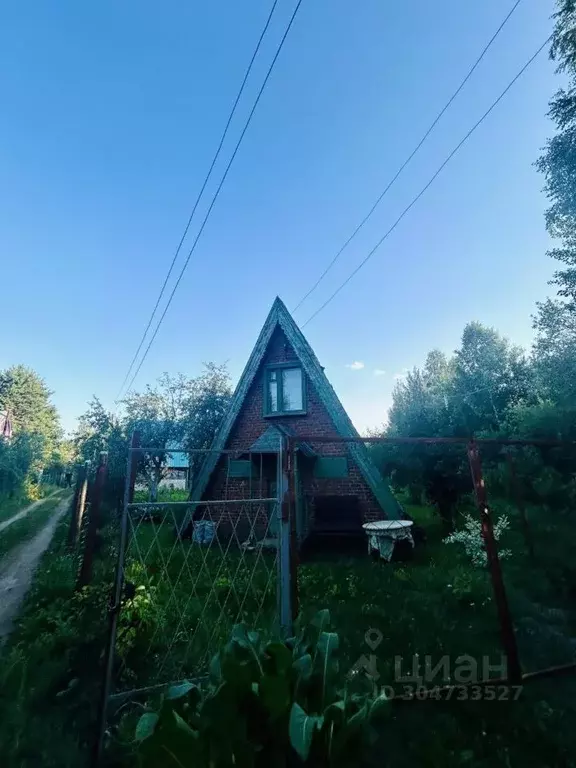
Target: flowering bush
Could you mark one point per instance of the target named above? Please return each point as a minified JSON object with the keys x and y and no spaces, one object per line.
{"x":470,"y":536}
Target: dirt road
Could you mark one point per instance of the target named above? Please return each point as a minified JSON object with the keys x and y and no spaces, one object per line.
{"x":17,"y":569}
{"x":25,"y":511}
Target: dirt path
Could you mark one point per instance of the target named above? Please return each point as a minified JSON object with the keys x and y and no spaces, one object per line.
{"x":18,"y":567}
{"x":25,"y":511}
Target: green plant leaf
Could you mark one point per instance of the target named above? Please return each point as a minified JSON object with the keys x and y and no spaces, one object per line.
{"x":358,"y":719}
{"x":281,"y":656}
{"x":146,"y":725}
{"x":180,"y":690}
{"x":274,"y":692}
{"x":321,"y":619}
{"x":248,"y":641}
{"x":328,"y":643}
{"x":380,"y":708}
{"x":301,"y":730}
{"x":182,"y":725}
{"x":335,"y":713}
{"x":240,"y":635}
{"x":237,"y":673}
{"x":303,"y":666}
{"x":215,"y":668}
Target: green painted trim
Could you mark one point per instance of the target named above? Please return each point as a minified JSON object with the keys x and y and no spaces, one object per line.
{"x":280,"y":317}
{"x":240,"y":468}
{"x":331,"y":467}
{"x":268,"y":369}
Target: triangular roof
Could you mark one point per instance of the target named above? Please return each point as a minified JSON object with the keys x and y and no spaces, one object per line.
{"x":279,"y":317}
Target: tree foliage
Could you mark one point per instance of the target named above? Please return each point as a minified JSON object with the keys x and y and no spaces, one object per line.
{"x":178,"y":412}
{"x":558,"y":162}
{"x":488,"y":387}
{"x":25,"y":395}
{"x":37,"y":436}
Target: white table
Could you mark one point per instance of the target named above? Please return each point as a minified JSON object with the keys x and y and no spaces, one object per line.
{"x":384,"y":534}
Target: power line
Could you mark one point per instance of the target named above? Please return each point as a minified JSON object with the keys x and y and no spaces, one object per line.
{"x":410,"y":156}
{"x":430,"y":182}
{"x":216,"y":194}
{"x":200,"y":193}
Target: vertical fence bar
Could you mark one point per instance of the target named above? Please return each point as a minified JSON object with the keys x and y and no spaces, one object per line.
{"x":292,"y":491}
{"x":514,"y":671}
{"x":74,"y":506}
{"x":284,"y":589}
{"x":114,"y":608}
{"x":519,"y":501}
{"x":85,"y":575}
{"x":78,"y":504}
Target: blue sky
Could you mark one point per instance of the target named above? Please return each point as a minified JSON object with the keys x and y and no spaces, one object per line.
{"x":110,"y":115}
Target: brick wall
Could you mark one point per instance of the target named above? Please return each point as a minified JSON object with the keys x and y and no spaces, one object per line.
{"x":251,"y":423}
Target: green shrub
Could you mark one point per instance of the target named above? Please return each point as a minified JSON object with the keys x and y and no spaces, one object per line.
{"x":266,"y":704}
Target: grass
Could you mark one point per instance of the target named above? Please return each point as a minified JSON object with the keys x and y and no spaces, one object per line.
{"x":186,"y":600}
{"x":164,"y":494}
{"x":49,"y":670}
{"x":10,"y":506}
{"x":24,"y":529}
{"x":438,"y":605}
{"x":434,"y":605}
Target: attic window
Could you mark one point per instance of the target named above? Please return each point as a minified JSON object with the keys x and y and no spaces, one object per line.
{"x":284,"y":391}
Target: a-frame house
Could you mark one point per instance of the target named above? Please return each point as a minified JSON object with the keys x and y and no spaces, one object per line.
{"x":284,"y":391}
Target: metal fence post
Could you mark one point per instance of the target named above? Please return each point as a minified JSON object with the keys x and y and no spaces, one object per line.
{"x":514,"y":671}
{"x":284,"y":587}
{"x":78,"y":504}
{"x":292,"y":490}
{"x":114,"y":607}
{"x":85,"y":575}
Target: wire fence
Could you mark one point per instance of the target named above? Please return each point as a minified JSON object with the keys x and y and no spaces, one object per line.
{"x":189,"y":568}
{"x":514,"y":592}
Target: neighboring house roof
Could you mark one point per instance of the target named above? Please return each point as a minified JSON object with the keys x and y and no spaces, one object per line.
{"x":176,"y":459}
{"x":280,"y":317}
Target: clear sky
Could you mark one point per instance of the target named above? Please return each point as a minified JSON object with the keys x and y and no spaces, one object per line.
{"x":109,"y":116}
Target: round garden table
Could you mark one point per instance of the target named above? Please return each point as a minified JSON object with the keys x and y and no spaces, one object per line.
{"x":383,"y":535}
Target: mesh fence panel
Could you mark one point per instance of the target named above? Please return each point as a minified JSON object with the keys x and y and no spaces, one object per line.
{"x":192,"y":571}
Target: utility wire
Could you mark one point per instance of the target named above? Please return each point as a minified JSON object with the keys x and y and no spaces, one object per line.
{"x":200,"y":193}
{"x":410,"y":156}
{"x":215,"y":197}
{"x":430,"y":182}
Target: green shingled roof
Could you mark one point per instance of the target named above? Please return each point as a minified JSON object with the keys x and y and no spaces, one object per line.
{"x":280,"y":317}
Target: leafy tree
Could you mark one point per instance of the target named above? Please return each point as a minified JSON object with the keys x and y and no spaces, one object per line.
{"x":558,"y":163}
{"x":98,"y":430}
{"x":25,"y":395}
{"x":554,"y":353}
{"x":490,"y":375}
{"x":18,"y":462}
{"x":460,"y":396}
{"x":36,"y":428}
{"x":177,"y":412}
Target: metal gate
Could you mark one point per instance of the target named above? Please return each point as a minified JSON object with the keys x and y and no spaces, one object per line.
{"x":188,"y":571}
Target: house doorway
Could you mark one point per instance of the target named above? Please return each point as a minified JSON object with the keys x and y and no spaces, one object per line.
{"x":337,"y":525}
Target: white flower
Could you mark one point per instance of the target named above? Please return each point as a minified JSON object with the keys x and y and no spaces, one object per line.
{"x":470,"y":536}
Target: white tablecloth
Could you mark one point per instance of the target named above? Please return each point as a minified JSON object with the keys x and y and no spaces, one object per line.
{"x":384,"y":534}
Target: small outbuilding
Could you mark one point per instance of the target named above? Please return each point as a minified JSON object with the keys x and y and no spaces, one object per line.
{"x":283,"y":392}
